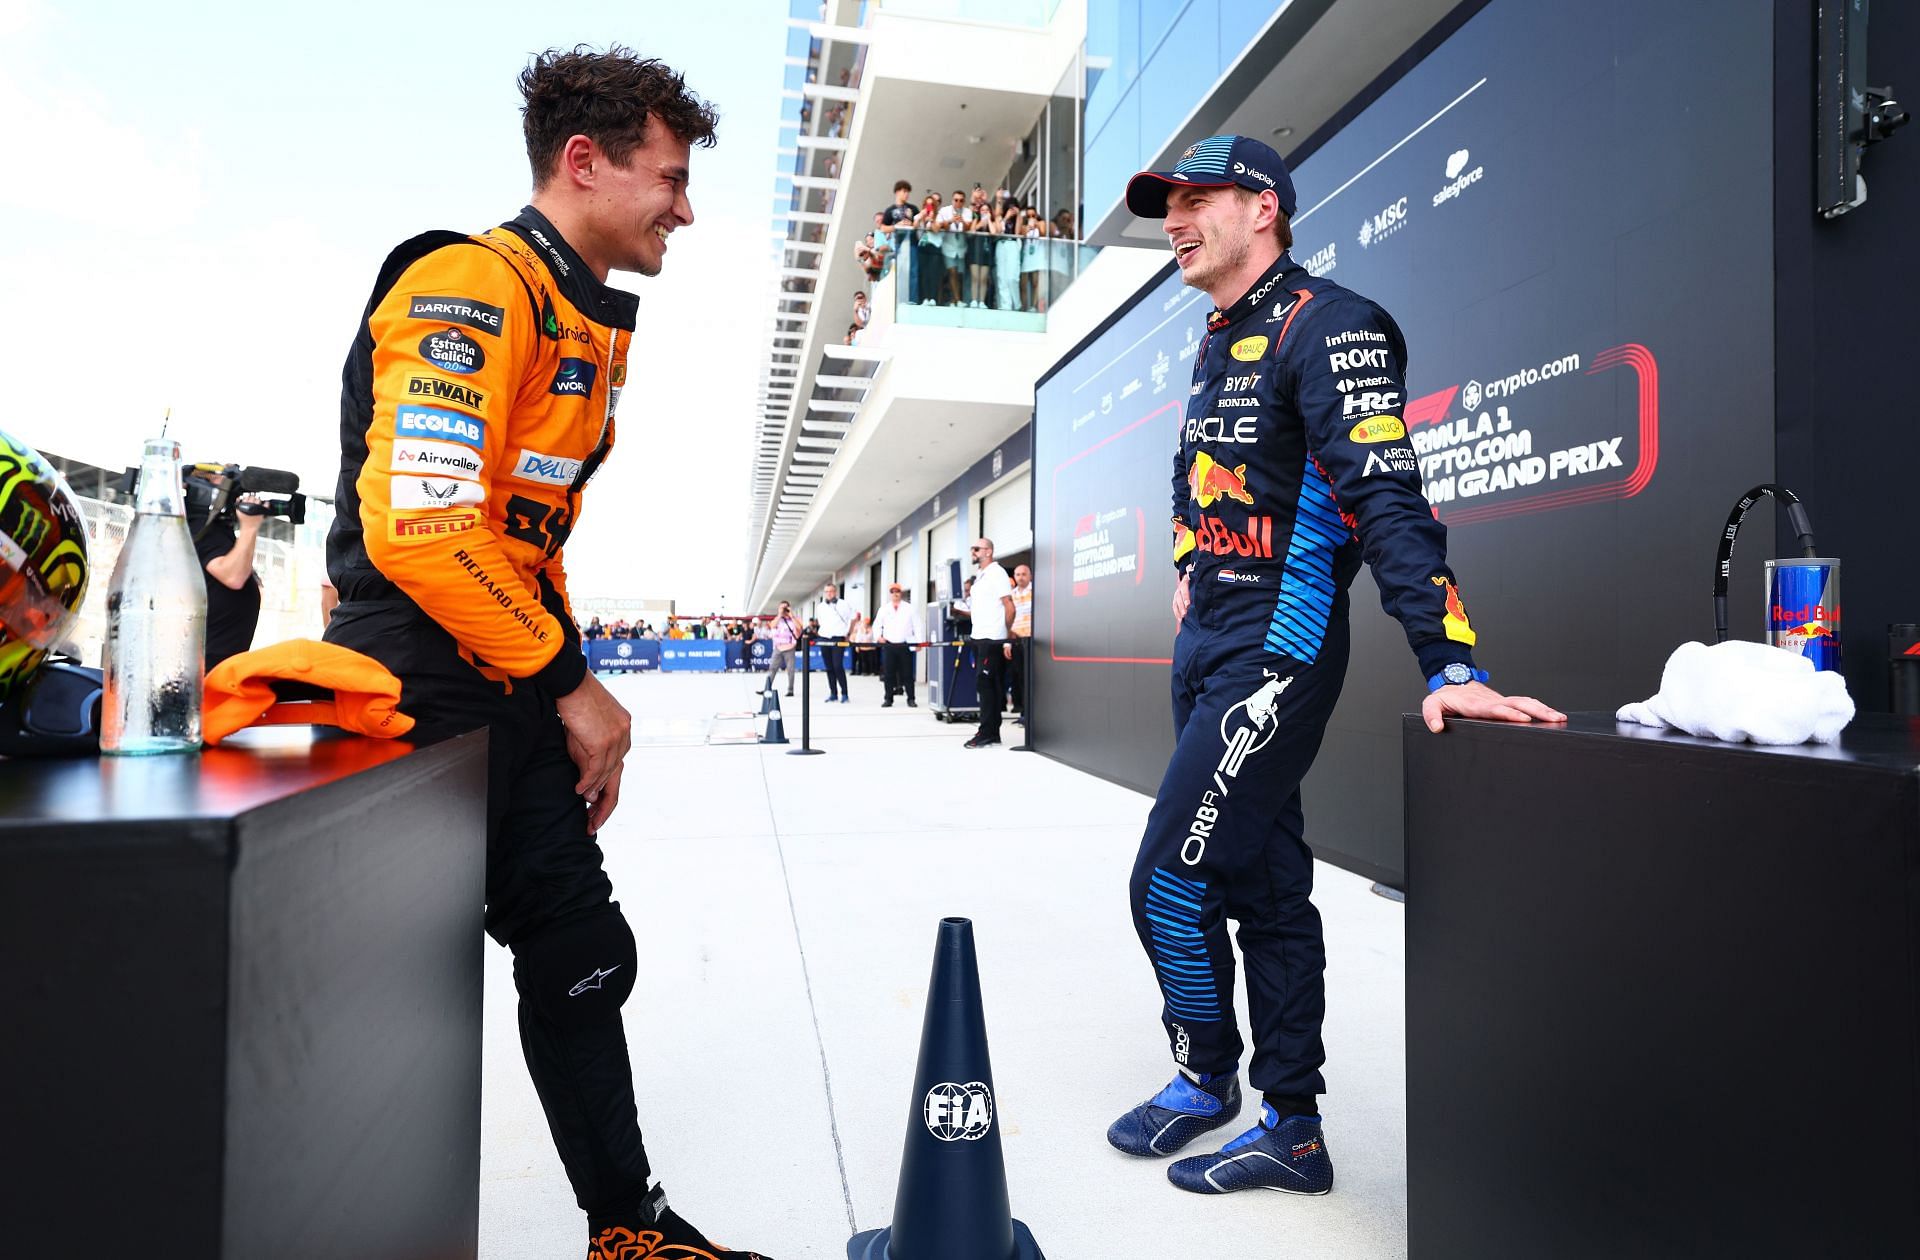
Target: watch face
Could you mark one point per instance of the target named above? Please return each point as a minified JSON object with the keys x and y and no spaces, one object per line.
{"x":1457,"y":673}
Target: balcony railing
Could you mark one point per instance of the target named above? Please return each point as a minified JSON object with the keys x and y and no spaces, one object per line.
{"x":955,"y":279}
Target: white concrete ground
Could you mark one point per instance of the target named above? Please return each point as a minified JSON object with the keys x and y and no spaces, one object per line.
{"x":786,"y":911}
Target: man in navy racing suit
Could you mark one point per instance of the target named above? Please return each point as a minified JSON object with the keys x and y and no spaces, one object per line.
{"x":1293,"y":466}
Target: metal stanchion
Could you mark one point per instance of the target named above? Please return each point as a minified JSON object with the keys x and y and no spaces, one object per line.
{"x":1026,"y":698}
{"x":806,"y":748}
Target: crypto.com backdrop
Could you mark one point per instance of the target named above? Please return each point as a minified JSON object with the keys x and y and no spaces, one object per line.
{"x":1567,"y":209}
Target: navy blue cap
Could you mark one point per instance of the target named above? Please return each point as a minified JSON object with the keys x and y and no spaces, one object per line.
{"x":1216,"y":162}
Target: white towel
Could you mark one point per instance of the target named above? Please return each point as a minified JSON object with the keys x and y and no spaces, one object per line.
{"x":1746,"y":691}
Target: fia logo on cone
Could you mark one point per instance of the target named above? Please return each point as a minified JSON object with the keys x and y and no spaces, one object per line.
{"x":957,"y":1113}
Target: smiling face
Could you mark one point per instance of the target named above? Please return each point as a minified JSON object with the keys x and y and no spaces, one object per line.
{"x":631,"y":209}
{"x":1212,"y":232}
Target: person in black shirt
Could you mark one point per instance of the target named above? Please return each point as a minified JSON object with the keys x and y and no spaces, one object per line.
{"x":233,"y":592}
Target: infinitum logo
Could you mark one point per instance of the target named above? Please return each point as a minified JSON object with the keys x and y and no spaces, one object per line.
{"x":1457,"y":182}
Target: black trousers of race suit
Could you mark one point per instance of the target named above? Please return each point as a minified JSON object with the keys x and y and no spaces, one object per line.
{"x":897,"y":661}
{"x":548,"y":898}
{"x":1224,"y":841}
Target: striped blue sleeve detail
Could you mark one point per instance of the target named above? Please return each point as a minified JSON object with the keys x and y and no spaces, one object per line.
{"x":1305,"y":603}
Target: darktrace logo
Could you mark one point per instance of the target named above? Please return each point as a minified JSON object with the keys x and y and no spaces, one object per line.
{"x":447,"y":392}
{"x":453,"y":351}
{"x":457,"y":310}
{"x":575,"y":377}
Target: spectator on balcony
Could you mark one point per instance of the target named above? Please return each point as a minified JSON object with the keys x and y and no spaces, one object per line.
{"x":900,"y":213}
{"x":979,"y":249}
{"x":862,"y":310}
{"x":873,"y":253}
{"x":1005,"y":217}
{"x":952,"y":222}
{"x":928,"y":267}
{"x":852,"y":336}
{"x":1033,"y":260}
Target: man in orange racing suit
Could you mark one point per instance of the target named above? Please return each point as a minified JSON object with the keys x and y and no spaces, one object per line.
{"x":478,"y":401}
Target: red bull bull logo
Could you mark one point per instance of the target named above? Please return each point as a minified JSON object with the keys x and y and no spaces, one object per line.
{"x":1455,"y":620}
{"x":1209,"y":481}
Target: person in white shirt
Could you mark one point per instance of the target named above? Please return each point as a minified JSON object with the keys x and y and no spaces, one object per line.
{"x":992,"y":601}
{"x":835,"y":616}
{"x":897,"y":629}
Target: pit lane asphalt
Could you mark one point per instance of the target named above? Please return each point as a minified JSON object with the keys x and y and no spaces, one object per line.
{"x":785,"y":909}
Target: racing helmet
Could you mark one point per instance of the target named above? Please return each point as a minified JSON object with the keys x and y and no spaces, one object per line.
{"x":43,"y":561}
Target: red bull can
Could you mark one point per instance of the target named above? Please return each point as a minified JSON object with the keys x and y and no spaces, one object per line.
{"x":1803,"y":608}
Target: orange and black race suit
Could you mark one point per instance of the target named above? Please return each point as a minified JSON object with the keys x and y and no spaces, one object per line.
{"x":477,"y":402}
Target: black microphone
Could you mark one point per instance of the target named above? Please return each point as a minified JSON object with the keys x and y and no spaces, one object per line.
{"x":258,"y":480}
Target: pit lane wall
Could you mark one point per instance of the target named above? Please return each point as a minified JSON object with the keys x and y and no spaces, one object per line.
{"x":1568,"y":208}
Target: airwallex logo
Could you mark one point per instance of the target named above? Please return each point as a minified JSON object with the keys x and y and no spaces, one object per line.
{"x":1459,"y":179}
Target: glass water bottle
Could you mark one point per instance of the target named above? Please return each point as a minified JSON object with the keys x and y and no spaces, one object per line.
{"x":156,"y":621}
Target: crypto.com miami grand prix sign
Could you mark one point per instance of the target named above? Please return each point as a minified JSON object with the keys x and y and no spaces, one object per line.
{"x":1539,"y":439}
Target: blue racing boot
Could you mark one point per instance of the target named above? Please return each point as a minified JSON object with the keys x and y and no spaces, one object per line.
{"x":1176,"y":1115}
{"x":1288,"y":1155}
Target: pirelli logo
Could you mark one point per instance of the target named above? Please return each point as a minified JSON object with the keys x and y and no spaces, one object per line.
{"x":438,"y":389}
{"x":457,"y":310}
{"x":412,"y":526}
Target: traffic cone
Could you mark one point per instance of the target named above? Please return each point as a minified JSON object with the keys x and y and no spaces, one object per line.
{"x":774,"y":731}
{"x":769,"y":700}
{"x":952,"y":1202}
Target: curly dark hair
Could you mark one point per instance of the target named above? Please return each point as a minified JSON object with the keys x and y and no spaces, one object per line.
{"x":607,"y":97}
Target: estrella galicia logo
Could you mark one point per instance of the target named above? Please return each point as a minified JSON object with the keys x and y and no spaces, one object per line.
{"x":458,"y":310}
{"x":453,"y":351}
{"x":447,"y":426}
{"x":574,"y":377}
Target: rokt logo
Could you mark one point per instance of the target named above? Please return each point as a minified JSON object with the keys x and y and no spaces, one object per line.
{"x":959,"y":1113}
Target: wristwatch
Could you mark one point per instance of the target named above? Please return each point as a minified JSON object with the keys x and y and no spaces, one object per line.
{"x":1456,"y":675}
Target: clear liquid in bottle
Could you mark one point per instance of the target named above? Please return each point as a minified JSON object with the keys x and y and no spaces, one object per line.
{"x":156,"y":621}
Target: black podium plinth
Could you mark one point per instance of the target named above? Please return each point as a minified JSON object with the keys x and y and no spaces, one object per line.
{"x":1661,"y":993}
{"x":240,"y":1001}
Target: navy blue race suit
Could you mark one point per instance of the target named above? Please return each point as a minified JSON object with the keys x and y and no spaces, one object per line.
{"x":1293,"y":466}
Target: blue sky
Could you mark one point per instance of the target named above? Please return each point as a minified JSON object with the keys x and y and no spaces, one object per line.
{"x":197,"y":198}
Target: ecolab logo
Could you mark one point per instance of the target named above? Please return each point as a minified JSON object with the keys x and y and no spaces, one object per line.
{"x":1458,"y":183}
{"x":1383,"y":224}
{"x":429,"y":422}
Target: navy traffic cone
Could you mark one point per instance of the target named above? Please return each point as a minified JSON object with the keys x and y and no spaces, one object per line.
{"x":774,"y":731}
{"x":952,"y":1202}
{"x":769,"y":700}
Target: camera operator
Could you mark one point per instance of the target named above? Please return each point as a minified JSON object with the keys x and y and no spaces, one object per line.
{"x":226,"y":555}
